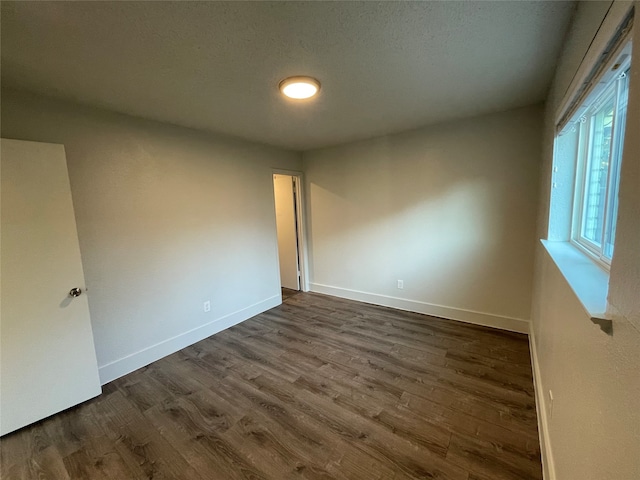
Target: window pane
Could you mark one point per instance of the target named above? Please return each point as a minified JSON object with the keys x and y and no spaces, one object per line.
{"x":596,"y":175}
{"x":616,"y":159}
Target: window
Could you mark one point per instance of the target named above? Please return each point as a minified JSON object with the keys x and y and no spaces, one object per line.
{"x":593,"y":138}
{"x":601,"y":139}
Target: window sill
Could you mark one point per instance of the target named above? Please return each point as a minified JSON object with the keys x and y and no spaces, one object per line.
{"x":589,"y":282}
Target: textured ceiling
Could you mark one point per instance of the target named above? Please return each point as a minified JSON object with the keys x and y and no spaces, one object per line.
{"x":384,"y":67}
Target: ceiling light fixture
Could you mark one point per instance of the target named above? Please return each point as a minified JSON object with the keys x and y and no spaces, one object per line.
{"x":299,"y":87}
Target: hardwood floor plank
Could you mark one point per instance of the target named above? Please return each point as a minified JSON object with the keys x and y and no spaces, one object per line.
{"x":19,"y":447}
{"x":309,"y":443}
{"x":102,"y":452}
{"x":265,"y":448}
{"x":491,"y":460}
{"x":80,"y":465}
{"x":467,"y":405}
{"x":149,"y":455}
{"x":140,"y":391}
{"x":415,"y":429}
{"x":167,"y":420}
{"x":70,"y":430}
{"x":460,"y":355}
{"x":48,"y":464}
{"x":317,"y":388}
{"x":393,"y":376}
{"x":301,"y":435}
{"x":363,"y":434}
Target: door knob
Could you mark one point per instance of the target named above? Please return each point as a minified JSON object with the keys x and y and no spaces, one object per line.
{"x":75,"y":292}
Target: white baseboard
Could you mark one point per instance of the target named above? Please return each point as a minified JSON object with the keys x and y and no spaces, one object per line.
{"x":128,"y":364}
{"x":451,"y":313}
{"x":548,"y":469}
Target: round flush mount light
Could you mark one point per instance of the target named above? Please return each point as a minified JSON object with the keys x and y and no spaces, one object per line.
{"x":299,"y":87}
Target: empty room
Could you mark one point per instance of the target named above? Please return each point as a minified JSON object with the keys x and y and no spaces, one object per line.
{"x":338,"y":240}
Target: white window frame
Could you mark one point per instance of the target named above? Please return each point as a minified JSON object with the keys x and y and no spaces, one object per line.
{"x":583,"y":158}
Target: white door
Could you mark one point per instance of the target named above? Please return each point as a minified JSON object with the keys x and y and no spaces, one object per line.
{"x":287,"y":232}
{"x":47,"y":357}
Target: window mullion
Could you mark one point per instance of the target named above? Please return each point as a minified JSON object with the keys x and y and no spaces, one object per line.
{"x":581,"y":169}
{"x":612,"y":147}
{"x":588,"y":161}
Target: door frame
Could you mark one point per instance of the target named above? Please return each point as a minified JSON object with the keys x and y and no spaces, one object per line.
{"x":298,"y":197}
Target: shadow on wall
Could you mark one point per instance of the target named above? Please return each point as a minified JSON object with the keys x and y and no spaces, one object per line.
{"x":450,"y":209}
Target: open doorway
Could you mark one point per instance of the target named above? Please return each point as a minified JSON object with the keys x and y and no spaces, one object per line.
{"x":288,"y":206}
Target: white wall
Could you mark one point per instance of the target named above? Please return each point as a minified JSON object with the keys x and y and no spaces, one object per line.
{"x":167,"y":218}
{"x":448,"y":209}
{"x":624,"y":289}
{"x":593,"y":430}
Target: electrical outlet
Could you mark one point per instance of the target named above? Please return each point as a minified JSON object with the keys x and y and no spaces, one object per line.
{"x":550,"y":404}
{"x":400,"y":284}
{"x":207,"y":306}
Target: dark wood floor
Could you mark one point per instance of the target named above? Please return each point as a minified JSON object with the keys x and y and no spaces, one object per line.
{"x":287,"y":293}
{"x":317,"y":388}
